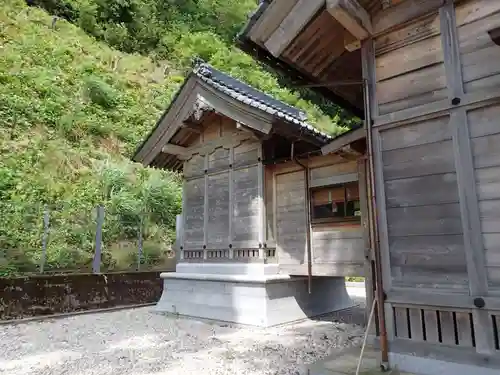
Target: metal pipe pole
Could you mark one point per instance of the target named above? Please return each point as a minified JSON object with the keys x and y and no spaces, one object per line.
{"x":374,"y":237}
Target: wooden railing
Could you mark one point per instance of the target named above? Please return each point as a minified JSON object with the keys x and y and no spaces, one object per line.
{"x":228,"y":255}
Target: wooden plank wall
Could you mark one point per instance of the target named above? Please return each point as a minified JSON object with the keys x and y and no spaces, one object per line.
{"x":194,"y":204}
{"x":246,"y":207}
{"x":436,"y":111}
{"x":333,"y":173}
{"x":291,"y":219}
{"x":478,"y":54}
{"x":222,"y":198}
{"x":422,"y":205}
{"x":484,"y":128}
{"x":481,"y":71}
{"x":410,"y":66}
{"x":337,"y":248}
{"x":218,"y":210}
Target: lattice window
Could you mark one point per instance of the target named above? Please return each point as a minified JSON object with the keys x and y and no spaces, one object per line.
{"x":335,"y":202}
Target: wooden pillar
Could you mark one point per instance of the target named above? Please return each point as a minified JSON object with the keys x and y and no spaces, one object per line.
{"x":231,"y":202}
{"x":378,"y":191}
{"x":205,"y":212}
{"x":469,"y":206}
{"x":182,"y":244}
{"x":262,"y":210}
{"x":179,"y":232}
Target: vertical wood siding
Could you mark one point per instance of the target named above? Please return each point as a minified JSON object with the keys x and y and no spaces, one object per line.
{"x":484,"y":127}
{"x":218,"y":210}
{"x":422,"y":204}
{"x":194,"y":205}
{"x":222,"y":214}
{"x":437,"y":160}
{"x":246,"y":205}
{"x":291,"y":218}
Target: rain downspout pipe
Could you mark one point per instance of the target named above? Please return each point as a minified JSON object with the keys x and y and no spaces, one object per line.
{"x":374,"y":235}
{"x":308,"y":218}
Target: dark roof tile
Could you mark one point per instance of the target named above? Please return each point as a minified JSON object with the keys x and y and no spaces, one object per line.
{"x":251,"y":96}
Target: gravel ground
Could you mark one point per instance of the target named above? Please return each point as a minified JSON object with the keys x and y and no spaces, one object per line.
{"x":141,"y":342}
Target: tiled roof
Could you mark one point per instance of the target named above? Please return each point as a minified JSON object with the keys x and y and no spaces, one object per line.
{"x":254,"y":98}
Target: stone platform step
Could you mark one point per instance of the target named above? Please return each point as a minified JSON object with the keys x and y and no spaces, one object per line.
{"x":251,"y":299}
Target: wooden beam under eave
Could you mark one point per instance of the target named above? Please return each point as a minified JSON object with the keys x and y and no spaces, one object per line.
{"x":344,"y":140}
{"x":196,"y":128}
{"x":292,"y":25}
{"x":351,"y":15}
{"x":349,"y":153}
{"x":179,"y":151}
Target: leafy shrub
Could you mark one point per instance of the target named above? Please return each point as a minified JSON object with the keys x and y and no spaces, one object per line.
{"x":101,"y":93}
{"x":60,"y":8}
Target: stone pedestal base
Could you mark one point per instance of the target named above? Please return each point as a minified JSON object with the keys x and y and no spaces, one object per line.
{"x":255,"y":298}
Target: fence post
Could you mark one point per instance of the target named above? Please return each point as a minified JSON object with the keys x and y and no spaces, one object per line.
{"x":139,"y":243}
{"x":44,"y":237}
{"x":96,"y":263}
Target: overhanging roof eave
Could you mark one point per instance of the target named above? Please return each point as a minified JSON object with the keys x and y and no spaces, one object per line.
{"x":293,"y":74}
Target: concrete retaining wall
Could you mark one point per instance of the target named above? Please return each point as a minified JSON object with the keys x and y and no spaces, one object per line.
{"x":35,"y":295}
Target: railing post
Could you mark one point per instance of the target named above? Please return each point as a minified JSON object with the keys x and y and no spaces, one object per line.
{"x":96,"y":263}
{"x":44,"y":237}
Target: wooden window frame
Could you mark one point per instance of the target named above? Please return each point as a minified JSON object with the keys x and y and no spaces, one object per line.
{"x":345,"y":219}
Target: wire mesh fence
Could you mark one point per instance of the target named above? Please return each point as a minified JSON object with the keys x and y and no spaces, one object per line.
{"x":64,"y":239}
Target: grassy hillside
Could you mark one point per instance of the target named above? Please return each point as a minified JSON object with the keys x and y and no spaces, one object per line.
{"x":77,"y":97}
{"x":69,"y":116}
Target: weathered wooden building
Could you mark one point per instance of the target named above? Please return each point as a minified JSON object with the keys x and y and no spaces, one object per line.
{"x":270,"y":226}
{"x":425,"y":75}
